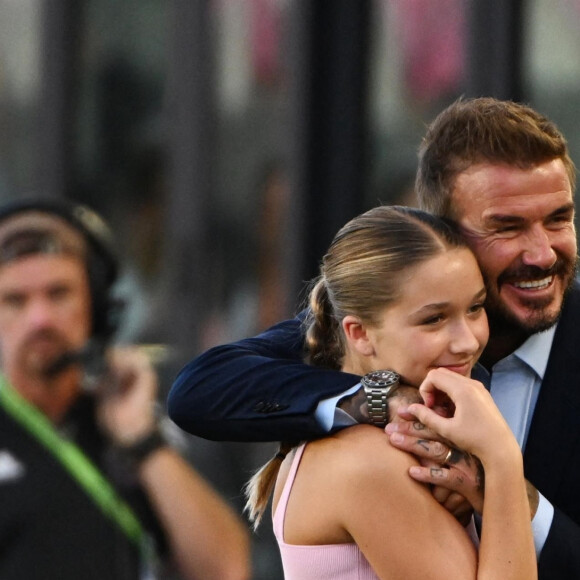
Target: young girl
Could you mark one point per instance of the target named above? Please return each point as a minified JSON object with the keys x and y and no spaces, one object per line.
{"x":399,"y":290}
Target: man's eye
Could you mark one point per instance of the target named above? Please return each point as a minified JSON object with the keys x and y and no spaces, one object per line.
{"x":561,"y":220}
{"x":59,"y":293}
{"x":506,"y":229}
{"x":13,"y":300}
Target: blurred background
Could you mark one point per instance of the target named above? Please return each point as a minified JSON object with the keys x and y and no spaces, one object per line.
{"x":227,"y":140}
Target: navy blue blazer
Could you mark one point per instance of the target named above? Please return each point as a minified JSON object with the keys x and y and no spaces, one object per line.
{"x":258,"y":389}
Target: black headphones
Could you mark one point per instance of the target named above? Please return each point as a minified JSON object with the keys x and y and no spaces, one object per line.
{"x":102,"y":263}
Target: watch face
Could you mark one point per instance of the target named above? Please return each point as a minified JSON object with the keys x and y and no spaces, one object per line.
{"x":380,"y":379}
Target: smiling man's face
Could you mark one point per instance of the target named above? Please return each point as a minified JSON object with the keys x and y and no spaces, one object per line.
{"x":520,"y":225}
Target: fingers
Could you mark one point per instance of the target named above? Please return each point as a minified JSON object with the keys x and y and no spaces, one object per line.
{"x":442,"y":387}
{"x":423,"y":419}
{"x":435,"y":456}
{"x":414,"y":428}
{"x":441,"y":494}
{"x":453,"y":456}
{"x":459,"y":507}
{"x":414,"y":437}
{"x":131,"y":369}
{"x":126,"y":410}
{"x":437,"y":387}
{"x":439,"y":476}
{"x":454,"y":503}
{"x":435,"y":451}
{"x":129,"y":361}
{"x":461,"y":479}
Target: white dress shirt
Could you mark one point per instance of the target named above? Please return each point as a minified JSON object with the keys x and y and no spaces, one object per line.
{"x":514,"y":384}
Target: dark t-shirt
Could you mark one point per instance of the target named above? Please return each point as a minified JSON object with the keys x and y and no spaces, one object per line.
{"x":50,"y":528}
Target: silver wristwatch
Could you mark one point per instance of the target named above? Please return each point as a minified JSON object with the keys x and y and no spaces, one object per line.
{"x":378,"y":387}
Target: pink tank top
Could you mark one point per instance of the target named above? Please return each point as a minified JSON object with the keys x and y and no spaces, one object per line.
{"x":323,"y":562}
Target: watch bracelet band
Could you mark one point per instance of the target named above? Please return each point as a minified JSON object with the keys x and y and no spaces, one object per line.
{"x":377,"y":406}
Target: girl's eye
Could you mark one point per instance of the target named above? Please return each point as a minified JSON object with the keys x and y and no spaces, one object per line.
{"x":433,"y":319}
{"x":476,"y":307}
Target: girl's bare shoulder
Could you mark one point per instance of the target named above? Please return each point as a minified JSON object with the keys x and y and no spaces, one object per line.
{"x":360,"y":449}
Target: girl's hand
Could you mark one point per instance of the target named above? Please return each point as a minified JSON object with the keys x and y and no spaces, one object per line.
{"x":476,"y":426}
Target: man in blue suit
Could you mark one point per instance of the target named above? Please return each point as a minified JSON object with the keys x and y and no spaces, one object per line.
{"x":503,"y":173}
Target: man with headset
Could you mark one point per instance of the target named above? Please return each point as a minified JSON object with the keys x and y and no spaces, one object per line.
{"x":89,"y":487}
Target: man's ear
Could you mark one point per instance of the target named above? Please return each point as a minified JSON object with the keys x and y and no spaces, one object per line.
{"x":356,"y":335}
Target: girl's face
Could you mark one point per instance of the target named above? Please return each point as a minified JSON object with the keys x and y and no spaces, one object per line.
{"x":438,"y":321}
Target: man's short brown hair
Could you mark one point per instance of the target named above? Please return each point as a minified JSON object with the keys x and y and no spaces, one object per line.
{"x":483,"y":130}
{"x":35,"y":232}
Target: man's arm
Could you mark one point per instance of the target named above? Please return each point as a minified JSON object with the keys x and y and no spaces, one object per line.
{"x":557,"y":538}
{"x":257,"y":389}
{"x":559,"y":558}
{"x":206,"y":538}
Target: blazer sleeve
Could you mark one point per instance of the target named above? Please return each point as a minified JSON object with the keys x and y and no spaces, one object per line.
{"x":560,"y":557}
{"x":256,"y":389}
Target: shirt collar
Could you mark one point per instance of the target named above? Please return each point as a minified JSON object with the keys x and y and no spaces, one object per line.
{"x":535,"y":352}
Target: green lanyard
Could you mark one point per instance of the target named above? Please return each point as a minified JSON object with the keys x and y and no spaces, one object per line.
{"x":74,"y":461}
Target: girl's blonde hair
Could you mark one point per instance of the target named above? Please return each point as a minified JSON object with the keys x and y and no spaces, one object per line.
{"x":360,"y":275}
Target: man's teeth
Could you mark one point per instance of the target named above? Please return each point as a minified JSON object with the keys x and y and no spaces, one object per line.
{"x":536,"y":284}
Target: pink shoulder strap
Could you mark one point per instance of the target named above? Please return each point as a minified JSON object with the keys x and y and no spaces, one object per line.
{"x":280,"y":513}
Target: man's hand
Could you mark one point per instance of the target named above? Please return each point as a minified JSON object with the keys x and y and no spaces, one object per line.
{"x":442,"y":466}
{"x":454,"y":503}
{"x":127,"y":396}
{"x":356,"y":405}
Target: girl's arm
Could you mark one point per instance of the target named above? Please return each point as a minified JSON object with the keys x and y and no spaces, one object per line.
{"x":477,"y":426}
